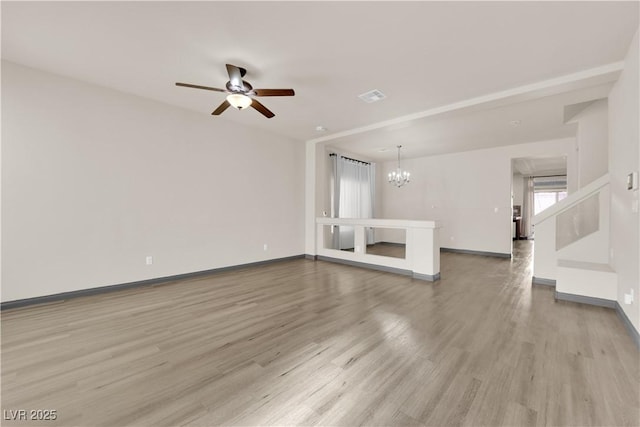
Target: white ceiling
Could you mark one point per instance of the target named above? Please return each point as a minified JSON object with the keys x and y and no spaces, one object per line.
{"x":463,"y":130}
{"x":540,"y":166}
{"x":422,"y":55}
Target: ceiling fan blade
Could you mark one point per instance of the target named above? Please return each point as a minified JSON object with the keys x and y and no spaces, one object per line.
{"x":221,"y":108}
{"x":235,"y":75}
{"x":274,"y":92}
{"x":262,"y":109}
{"x":215,"y":89}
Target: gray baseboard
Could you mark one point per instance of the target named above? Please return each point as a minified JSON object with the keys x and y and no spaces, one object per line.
{"x":542,"y":281}
{"x":142,"y":283}
{"x":365,"y":265}
{"x":600,"y":302}
{"x":633,"y":332}
{"x":469,"y":252}
{"x":427,"y":277}
{"x":311,"y":257}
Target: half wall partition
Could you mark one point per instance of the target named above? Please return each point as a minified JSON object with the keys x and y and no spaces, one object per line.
{"x":418,"y":257}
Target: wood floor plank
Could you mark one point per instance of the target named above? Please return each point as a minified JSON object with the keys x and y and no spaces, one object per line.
{"x":312,"y":343}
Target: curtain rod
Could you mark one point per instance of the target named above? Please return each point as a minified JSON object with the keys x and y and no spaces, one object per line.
{"x":349,"y":158}
{"x":548,"y":176}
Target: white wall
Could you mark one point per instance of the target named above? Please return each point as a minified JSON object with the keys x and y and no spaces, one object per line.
{"x":564,"y":221}
{"x":313,"y":194}
{"x":592,"y":137}
{"x":592,"y":247}
{"x":463,"y":191}
{"x":624,"y":141}
{"x":94,"y":180}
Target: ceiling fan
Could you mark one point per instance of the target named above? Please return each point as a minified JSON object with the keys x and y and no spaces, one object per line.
{"x":241,"y":93}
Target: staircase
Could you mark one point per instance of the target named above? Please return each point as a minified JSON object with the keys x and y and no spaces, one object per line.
{"x":572,"y":247}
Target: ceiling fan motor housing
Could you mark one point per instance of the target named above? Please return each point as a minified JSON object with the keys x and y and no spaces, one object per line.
{"x":245,"y":89}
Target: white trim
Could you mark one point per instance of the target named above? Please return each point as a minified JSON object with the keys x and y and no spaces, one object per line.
{"x":572,"y":199}
{"x":590,"y":77}
{"x":382,"y":223}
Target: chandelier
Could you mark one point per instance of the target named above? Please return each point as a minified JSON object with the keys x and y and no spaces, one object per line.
{"x":399,"y":177}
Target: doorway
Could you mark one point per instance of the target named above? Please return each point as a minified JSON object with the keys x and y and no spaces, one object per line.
{"x":537,"y":183}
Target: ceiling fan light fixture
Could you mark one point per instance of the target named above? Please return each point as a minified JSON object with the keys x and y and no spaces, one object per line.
{"x":239,"y":101}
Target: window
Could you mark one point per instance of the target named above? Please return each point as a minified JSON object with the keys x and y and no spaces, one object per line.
{"x":352,"y":195}
{"x":543,"y":200}
{"x":548,"y":191}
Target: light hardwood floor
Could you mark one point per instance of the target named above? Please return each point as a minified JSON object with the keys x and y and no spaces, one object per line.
{"x":312,"y":343}
{"x":385,"y":249}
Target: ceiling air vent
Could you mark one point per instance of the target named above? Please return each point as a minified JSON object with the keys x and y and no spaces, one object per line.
{"x":372,"y":96}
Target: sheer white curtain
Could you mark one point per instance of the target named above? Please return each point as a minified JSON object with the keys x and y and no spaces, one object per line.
{"x":353,"y":188}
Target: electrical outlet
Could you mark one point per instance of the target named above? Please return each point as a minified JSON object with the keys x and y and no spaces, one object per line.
{"x":265,"y":247}
{"x":628,"y":298}
{"x":149,"y":260}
